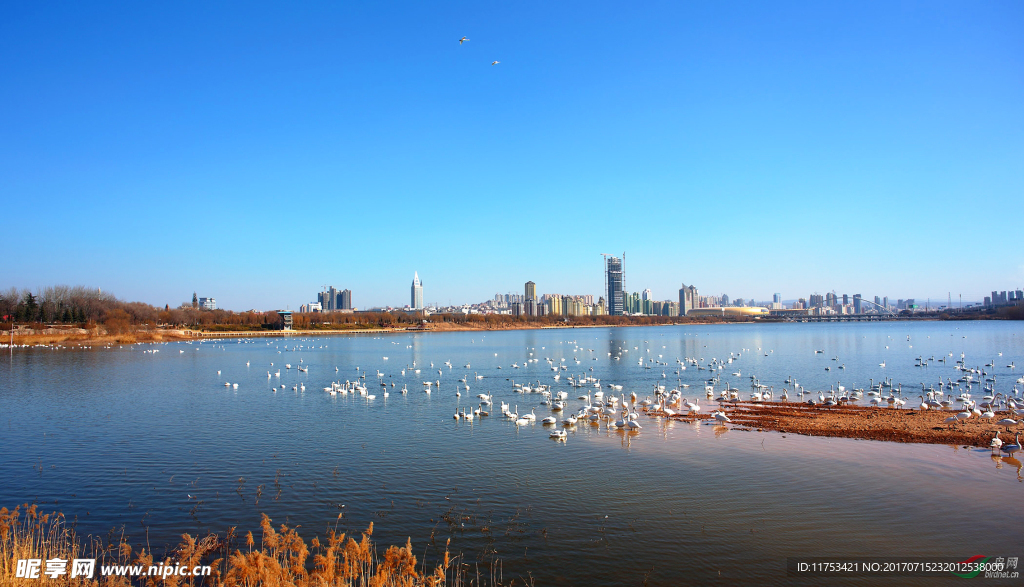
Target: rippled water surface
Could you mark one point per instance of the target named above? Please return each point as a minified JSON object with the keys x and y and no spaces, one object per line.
{"x":154,"y":442}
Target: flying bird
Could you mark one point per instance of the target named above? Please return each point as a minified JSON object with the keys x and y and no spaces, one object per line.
{"x":462,"y":40}
{"x":495,"y":62}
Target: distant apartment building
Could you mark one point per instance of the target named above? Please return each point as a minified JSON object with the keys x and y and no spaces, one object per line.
{"x":574,"y":306}
{"x":530,"y":307}
{"x":332,"y":299}
{"x":857,"y":308}
{"x":633,"y":303}
{"x":687,"y":299}
{"x":554,"y":304}
{"x":207,"y":304}
{"x":1004,"y":298}
{"x":328,"y":299}
{"x":777,"y":298}
{"x":530,"y":299}
{"x":647,"y":304}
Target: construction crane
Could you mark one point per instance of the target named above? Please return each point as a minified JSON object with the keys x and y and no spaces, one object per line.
{"x":604,"y":270}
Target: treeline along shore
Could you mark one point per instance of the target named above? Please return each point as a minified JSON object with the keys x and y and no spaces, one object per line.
{"x":79,"y":315}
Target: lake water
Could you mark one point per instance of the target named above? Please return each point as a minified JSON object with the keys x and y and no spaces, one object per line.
{"x":154,"y":442}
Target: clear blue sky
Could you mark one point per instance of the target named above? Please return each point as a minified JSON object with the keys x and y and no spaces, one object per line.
{"x":255,"y":151}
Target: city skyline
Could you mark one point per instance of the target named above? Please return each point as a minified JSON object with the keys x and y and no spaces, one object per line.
{"x":778,"y":148}
{"x":644,"y":301}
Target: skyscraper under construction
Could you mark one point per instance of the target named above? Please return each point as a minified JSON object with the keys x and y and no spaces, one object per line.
{"x":613,"y":279}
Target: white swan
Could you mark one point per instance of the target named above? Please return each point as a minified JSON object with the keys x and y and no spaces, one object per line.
{"x":996,"y":442}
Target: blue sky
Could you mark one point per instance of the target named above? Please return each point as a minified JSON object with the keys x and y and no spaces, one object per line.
{"x":256,"y":151}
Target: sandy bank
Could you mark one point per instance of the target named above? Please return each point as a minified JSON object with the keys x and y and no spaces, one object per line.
{"x":894,"y":425}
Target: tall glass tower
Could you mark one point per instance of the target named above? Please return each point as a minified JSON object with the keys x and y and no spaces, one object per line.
{"x":417,"y":292}
{"x":613,"y":280}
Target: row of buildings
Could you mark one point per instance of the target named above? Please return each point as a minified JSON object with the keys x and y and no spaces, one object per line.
{"x":1004,"y":298}
{"x":330,"y":299}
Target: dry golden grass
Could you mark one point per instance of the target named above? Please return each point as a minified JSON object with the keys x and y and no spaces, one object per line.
{"x":281,"y":559}
{"x":76,"y":337}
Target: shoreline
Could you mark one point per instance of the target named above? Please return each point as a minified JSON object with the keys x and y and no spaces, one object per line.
{"x":82,"y":336}
{"x":87,"y":336}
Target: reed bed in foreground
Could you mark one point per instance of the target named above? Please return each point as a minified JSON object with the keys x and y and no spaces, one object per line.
{"x":282,"y":558}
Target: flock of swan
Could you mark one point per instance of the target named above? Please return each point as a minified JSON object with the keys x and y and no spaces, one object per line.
{"x":971,"y":394}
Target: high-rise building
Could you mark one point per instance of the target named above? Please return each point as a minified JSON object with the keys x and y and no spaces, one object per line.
{"x":816,"y":301}
{"x":646,"y":294}
{"x":333,"y":299}
{"x":725,"y":300}
{"x":830,"y":299}
{"x":647,"y":307}
{"x":846,"y":300}
{"x":417,"y":292}
{"x":207,"y":304}
{"x":857,"y":303}
{"x":328,"y":299}
{"x":614,"y":279}
{"x":777,"y":298}
{"x":885,"y":302}
{"x":555,"y":305}
{"x":531,"y":290}
{"x":632,"y":303}
{"x":687,"y":299}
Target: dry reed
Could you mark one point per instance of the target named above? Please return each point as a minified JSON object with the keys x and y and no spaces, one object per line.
{"x":282,"y":558}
